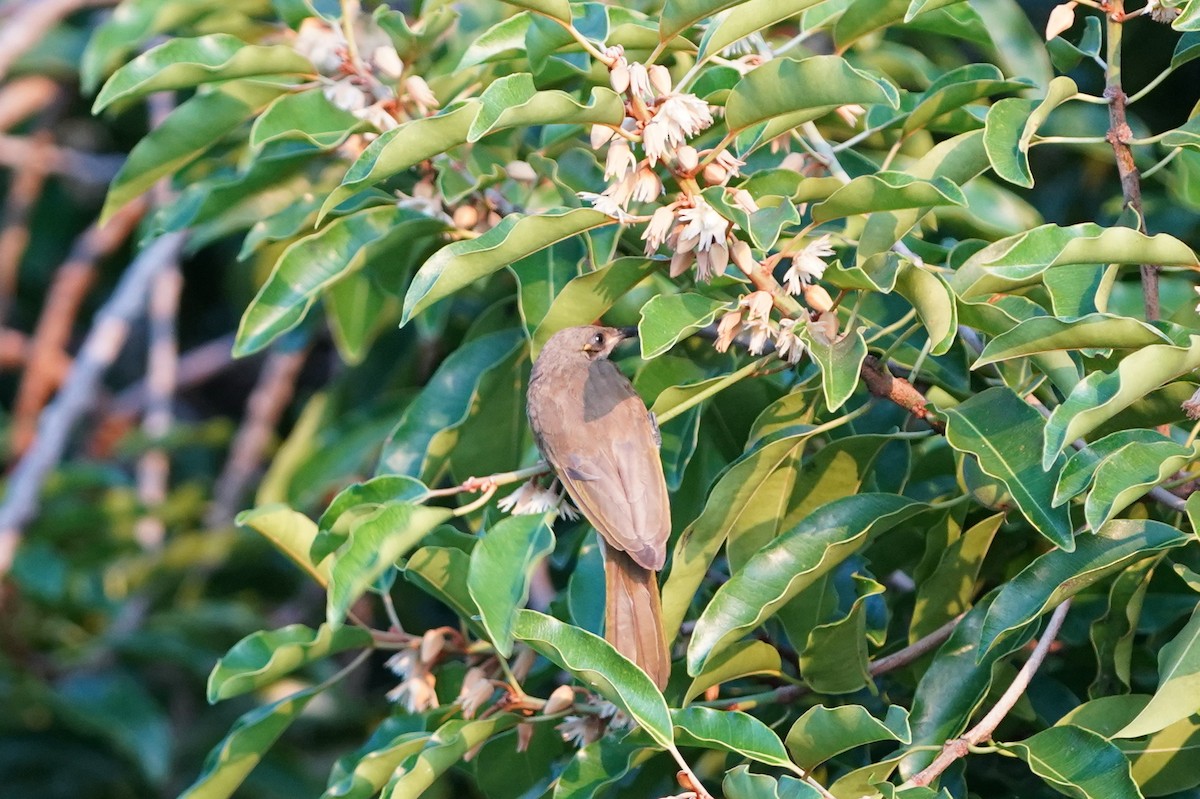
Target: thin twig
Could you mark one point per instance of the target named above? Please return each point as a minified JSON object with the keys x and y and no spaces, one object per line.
{"x":87,"y":168}
{"x":959,"y":747}
{"x":109,"y":331}
{"x":270,"y":398}
{"x":33,"y":20}
{"x":72,"y":281}
{"x":23,"y":97}
{"x":23,"y":194}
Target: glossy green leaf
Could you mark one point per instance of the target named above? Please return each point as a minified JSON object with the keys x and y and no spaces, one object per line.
{"x":729,"y":731}
{"x":369,"y":495}
{"x":887,"y":191}
{"x":502,"y":564}
{"x":668,"y":318}
{"x":1101,"y":396}
{"x":1178,"y":683}
{"x":441,"y":572}
{"x":263,"y":657}
{"x":840,"y":363}
{"x":823,"y":732}
{"x":555,"y":9}
{"x":1186,"y":49}
{"x":229,"y":763}
{"x":1059,"y":574}
{"x":766,"y":95}
{"x":1186,"y":135}
{"x":588,"y":296}
{"x":790,"y":563}
{"x":188,"y":131}
{"x":834,"y":658}
{"x":934,"y":302}
{"x":949,"y":589}
{"x":739,"y":659}
{"x":503,"y":40}
{"x":314,"y":263}
{"x":514,"y":101}
{"x":1078,"y":763}
{"x":1048,"y":333}
{"x":592,"y":660}
{"x":1011,"y":125}
{"x":442,"y":751}
{"x":679,"y":15}
{"x":418,"y":445}
{"x":186,"y":63}
{"x":462,"y":263}
{"x":955,"y":89}
{"x":291,"y":532}
{"x":741,"y":783}
{"x":356,"y":310}
{"x":402,"y":147}
{"x":376,"y":541}
{"x":375,"y":766}
{"x":543,"y":276}
{"x":602,"y":763}
{"x":304,"y":116}
{"x":750,"y":16}
{"x":1002,"y":432}
{"x":1020,"y":260}
{"x":1128,"y":474}
{"x":1112,"y":634}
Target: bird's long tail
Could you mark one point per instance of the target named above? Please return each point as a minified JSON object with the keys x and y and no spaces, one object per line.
{"x":633,"y":615}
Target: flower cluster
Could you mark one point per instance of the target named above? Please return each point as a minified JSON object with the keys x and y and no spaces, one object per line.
{"x":416,"y":690}
{"x":530,"y":498}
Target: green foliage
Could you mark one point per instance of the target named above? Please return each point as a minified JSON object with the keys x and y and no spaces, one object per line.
{"x":916,"y":337}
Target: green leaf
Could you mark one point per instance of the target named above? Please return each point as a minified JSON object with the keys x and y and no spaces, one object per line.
{"x":1078,"y":762}
{"x":1100,"y":396}
{"x":501,"y":566}
{"x":679,"y":15}
{"x":356,"y":309}
{"x":1189,"y":20}
{"x":729,"y":731}
{"x":462,"y":263}
{"x":1186,"y":135}
{"x":1112,"y":634}
{"x":740,"y":783}
{"x":840,"y":363}
{"x":370,"y":496}
{"x":427,"y":430}
{"x":750,"y":16}
{"x":767,"y":95}
{"x":514,"y":101}
{"x":592,"y":660}
{"x":1186,"y":49}
{"x":1178,"y":683}
{"x":1011,"y":125}
{"x":441,"y":572}
{"x":376,"y":541}
{"x":542,"y":277}
{"x":823,"y":732}
{"x":555,"y":9}
{"x":950,"y":587}
{"x":371,"y":770}
{"x":187,"y":63}
{"x":834,"y":659}
{"x":312,"y":264}
{"x":1002,"y":431}
{"x":930,"y":295}
{"x":263,"y":657}
{"x":1021,"y":260}
{"x":668,"y":318}
{"x":1129,"y":473}
{"x":1060,"y":574}
{"x":504,"y":39}
{"x":291,"y":532}
{"x":955,"y":89}
{"x":887,"y":191}
{"x":305,"y":116}
{"x":402,"y":147}
{"x":229,"y":763}
{"x":589,"y":296}
{"x":188,"y":131}
{"x":1049,"y":333}
{"x":602,"y":763}
{"x":790,"y":563}
{"x":739,"y":659}
{"x":443,"y":750}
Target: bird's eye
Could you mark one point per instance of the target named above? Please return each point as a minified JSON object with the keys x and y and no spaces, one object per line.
{"x":598,"y":339}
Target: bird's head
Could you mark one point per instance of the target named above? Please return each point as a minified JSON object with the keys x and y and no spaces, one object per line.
{"x":592,"y":342}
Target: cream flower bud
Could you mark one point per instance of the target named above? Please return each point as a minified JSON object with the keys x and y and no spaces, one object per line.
{"x":660,"y":78}
{"x":817,"y":298}
{"x":680,"y":262}
{"x":727,"y":330}
{"x":688,"y":158}
{"x":648,"y":186}
{"x":600,"y":135}
{"x":520,"y":171}
{"x":718,"y":259}
{"x":431,"y":646}
{"x":562,"y":698}
{"x":619,"y":77}
{"x":741,"y":255}
{"x":387,"y":60}
{"x":825,"y":328}
{"x":466,"y":217}
{"x":744,"y":200}
{"x":420,"y":93}
{"x":715,"y":174}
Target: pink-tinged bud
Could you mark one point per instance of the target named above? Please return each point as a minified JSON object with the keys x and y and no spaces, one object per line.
{"x":680,"y":262}
{"x":562,"y":698}
{"x":431,"y":646}
{"x":387,"y":60}
{"x":718,"y":259}
{"x":715,"y":174}
{"x":660,"y":79}
{"x":524,"y":736}
{"x":741,"y":255}
{"x":420,"y":92}
{"x":466,"y":217}
{"x":818,"y":299}
{"x":744,"y":200}
{"x":727,"y":330}
{"x":825,"y":328}
{"x":688,"y":158}
{"x":619,"y":77}
{"x":521,"y":171}
{"x":600,"y":135}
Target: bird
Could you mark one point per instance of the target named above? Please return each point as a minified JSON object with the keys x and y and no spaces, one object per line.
{"x":602,"y":442}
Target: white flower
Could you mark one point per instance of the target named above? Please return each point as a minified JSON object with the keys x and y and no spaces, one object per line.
{"x":745,"y":200}
{"x":703,"y":224}
{"x":581,"y":730}
{"x":808,"y":265}
{"x":346,"y":95}
{"x":659,"y":227}
{"x":530,"y":498}
{"x":647,"y":186}
{"x":758,"y":306}
{"x":727,"y":330}
{"x":322,"y":44}
{"x":787,"y":344}
{"x":378,"y":116}
{"x":620,"y":161}
{"x":476,"y":689}
{"x":729,"y":162}
{"x":711,"y":262}
{"x":615,"y":199}
{"x":419,"y":92}
{"x":639,"y":81}
{"x":416,"y":689}
{"x":676,"y":118}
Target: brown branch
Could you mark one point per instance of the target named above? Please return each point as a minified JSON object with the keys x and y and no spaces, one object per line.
{"x":71,"y":284}
{"x":1118,"y":136}
{"x":271,"y":396}
{"x":88,"y":168}
{"x":23,"y":97}
{"x":23,"y":194}
{"x":882,"y":383}
{"x":959,"y":747}
{"x":29,"y":22}
{"x":104,"y":341}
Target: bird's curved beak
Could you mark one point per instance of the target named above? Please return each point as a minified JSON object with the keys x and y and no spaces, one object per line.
{"x":628,"y":332}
